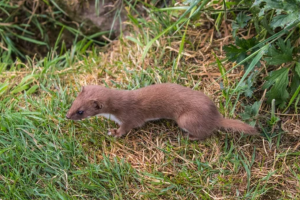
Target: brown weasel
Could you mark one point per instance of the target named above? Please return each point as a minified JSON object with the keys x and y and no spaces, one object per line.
{"x":193,"y":111}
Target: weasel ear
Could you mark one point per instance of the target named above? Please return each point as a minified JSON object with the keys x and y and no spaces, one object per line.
{"x":82,"y":88}
{"x":97,"y":105}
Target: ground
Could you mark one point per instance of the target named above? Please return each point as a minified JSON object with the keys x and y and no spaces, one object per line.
{"x":44,"y":155}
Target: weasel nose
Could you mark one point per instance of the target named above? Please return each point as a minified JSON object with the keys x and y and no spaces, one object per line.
{"x":67,"y":116}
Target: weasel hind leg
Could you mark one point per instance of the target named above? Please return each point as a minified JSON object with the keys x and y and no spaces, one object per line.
{"x":197,"y":130}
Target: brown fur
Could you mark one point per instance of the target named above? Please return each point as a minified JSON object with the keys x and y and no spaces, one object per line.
{"x":193,"y":111}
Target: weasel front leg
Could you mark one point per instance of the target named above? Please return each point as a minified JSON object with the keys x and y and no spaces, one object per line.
{"x":124,"y":128}
{"x":117,"y":132}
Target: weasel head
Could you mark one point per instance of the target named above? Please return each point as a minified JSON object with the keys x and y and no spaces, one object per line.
{"x":91,"y":101}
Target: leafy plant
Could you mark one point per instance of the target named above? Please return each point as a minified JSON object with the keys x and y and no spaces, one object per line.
{"x":287,"y":12}
{"x":250,"y":112}
{"x":281,"y":57}
{"x":240,"y":51}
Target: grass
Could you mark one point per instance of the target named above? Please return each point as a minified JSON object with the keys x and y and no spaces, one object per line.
{"x":45,"y":156}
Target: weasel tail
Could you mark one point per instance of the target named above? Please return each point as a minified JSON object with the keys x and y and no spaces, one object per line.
{"x":237,"y":125}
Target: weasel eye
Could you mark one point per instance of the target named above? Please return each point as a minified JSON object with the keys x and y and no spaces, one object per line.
{"x":80,"y":112}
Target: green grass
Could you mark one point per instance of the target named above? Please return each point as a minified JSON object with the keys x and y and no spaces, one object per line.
{"x":45,"y":156}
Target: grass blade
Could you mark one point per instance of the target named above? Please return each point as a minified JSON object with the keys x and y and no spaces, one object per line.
{"x":180,"y":20}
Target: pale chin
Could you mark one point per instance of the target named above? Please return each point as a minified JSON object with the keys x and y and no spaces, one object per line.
{"x":78,"y":119}
{"x":87,"y":117}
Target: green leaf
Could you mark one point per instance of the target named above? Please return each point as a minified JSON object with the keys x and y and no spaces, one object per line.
{"x":287,"y":6}
{"x":84,"y":48}
{"x":134,"y":20}
{"x":31,"y":40}
{"x":250,"y":112}
{"x":269,"y":4}
{"x":296,"y":78}
{"x":297,"y":68}
{"x":27,"y":78}
{"x":284,"y":20}
{"x":291,"y":6}
{"x":233,"y":53}
{"x":279,"y":82}
{"x":134,"y":40}
{"x":287,"y":11}
{"x":281,"y":55}
{"x":293,"y":97}
{"x":24,"y":84}
{"x":249,"y":89}
{"x":239,"y":52}
{"x":240,"y":22}
{"x":273,"y":76}
{"x":221,"y":69}
{"x":188,"y":2}
{"x":248,"y":92}
{"x":32,"y":89}
{"x":20,"y":88}
{"x":245,"y":44}
{"x":266,"y":24}
{"x":3,"y":87}
{"x":295,"y":85}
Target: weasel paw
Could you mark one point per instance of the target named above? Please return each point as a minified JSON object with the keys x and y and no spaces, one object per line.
{"x":112,"y":132}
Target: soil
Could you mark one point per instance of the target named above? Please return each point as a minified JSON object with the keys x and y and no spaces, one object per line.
{"x":91,"y":18}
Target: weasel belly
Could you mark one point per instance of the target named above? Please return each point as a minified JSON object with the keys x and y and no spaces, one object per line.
{"x":152,"y":119}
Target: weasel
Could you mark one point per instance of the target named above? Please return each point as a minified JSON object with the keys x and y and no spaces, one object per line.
{"x":193,"y":111}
